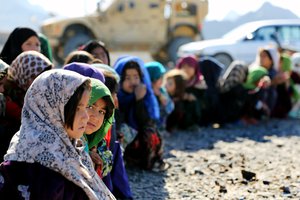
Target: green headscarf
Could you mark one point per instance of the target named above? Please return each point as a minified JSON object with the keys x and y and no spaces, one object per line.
{"x":286,"y":65}
{"x":254,"y":75}
{"x":99,"y":90}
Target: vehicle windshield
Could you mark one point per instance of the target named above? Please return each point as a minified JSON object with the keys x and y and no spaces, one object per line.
{"x":103,"y":5}
{"x":240,"y":31}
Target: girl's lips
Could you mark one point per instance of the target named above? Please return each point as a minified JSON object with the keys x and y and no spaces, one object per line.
{"x":82,"y":128}
{"x":90,"y":124}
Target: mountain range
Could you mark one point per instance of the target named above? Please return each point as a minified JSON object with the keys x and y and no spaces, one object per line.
{"x":215,"y":29}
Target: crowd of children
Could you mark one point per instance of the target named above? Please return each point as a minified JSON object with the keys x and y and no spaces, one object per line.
{"x":69,"y":133}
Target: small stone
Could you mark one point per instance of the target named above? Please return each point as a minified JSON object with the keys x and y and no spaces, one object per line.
{"x":223,"y":189}
{"x":249,"y":176}
{"x":266,"y":182}
{"x":286,"y":190}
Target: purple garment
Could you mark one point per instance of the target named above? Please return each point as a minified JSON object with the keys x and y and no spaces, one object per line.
{"x":85,"y":70}
{"x":20,"y":179}
{"x":117,"y":180}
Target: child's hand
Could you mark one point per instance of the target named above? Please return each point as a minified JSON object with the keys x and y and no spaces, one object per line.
{"x":265,"y":82}
{"x":95,"y":157}
{"x":140,"y":91}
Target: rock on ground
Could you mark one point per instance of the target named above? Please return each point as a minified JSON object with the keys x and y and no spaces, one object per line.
{"x":234,"y":162}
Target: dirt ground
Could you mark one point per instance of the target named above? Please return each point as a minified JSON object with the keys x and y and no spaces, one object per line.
{"x":236,"y":162}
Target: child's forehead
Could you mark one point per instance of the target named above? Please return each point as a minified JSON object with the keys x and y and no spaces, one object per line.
{"x":131,"y":71}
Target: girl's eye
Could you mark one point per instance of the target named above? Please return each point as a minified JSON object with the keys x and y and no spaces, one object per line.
{"x":102,"y":112}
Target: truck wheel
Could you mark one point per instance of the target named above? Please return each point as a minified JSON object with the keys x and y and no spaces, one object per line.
{"x":224,"y":59}
{"x":174,"y":45}
{"x":72,"y":43}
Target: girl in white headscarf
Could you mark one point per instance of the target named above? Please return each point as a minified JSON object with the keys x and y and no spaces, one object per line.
{"x":46,"y":159}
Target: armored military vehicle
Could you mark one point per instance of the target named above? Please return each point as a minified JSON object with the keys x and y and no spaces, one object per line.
{"x":156,"y":26}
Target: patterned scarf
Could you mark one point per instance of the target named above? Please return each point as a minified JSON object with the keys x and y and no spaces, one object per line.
{"x":27,"y":66}
{"x":42,"y":137}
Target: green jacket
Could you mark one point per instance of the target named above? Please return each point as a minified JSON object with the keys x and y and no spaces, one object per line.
{"x":254,"y":75}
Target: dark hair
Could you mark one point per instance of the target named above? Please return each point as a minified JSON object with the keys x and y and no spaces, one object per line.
{"x":109,"y":106}
{"x":180,"y":79}
{"x":268,"y":54}
{"x":180,"y":84}
{"x":111,"y":82}
{"x":70,"y":107}
{"x":91,"y":45}
{"x":131,"y":65}
{"x":79,"y":56}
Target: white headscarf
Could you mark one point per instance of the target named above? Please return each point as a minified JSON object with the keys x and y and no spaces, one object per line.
{"x":43,"y":139}
{"x":275,"y":56}
{"x":296,"y":62}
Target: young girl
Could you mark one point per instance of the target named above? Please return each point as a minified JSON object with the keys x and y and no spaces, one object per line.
{"x":139,"y":109}
{"x":46,"y":158}
{"x":186,"y":112}
{"x":232,"y":93}
{"x":101,"y":108}
{"x":20,"y":39}
{"x":20,"y":75}
{"x":107,"y":160}
{"x":262,"y":93}
{"x":284,"y":87}
{"x":98,"y":50}
{"x":118,"y":179}
{"x":97,"y":126}
{"x":79,"y":56}
{"x":196,"y":86}
{"x":156,"y":71}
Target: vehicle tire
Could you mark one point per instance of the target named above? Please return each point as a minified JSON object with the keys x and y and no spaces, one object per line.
{"x":174,"y":45}
{"x":75,"y":41}
{"x":224,"y":59}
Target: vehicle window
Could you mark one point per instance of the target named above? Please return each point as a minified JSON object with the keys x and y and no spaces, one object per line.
{"x":264,"y":33}
{"x":185,"y":9}
{"x":289,"y":33}
{"x":131,"y":4}
{"x":153,"y":5}
{"x":121,"y":7}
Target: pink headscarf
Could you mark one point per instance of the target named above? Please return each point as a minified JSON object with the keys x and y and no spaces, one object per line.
{"x":191,"y":61}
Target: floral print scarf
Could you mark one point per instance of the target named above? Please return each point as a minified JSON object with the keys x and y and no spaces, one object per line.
{"x":42,"y":137}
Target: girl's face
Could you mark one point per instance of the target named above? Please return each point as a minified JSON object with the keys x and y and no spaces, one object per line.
{"x":31,"y":44}
{"x":132,"y":79}
{"x":189,"y":70}
{"x":265,"y":60}
{"x":81,"y":117}
{"x":157,"y":84}
{"x":171,"y":86}
{"x":100,"y":54}
{"x":96,"y":116}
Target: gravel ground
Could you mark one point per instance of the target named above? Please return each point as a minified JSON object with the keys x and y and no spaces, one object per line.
{"x":234,"y":162}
